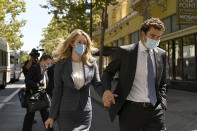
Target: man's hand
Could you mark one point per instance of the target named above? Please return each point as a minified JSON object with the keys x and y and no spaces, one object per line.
{"x":163,"y":106}
{"x":49,"y":123}
{"x":108,"y":98}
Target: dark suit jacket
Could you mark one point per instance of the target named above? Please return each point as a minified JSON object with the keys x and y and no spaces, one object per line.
{"x":65,"y":96}
{"x":25,"y":71}
{"x":34,"y":77}
{"x":125,"y":63}
{"x":50,"y":85}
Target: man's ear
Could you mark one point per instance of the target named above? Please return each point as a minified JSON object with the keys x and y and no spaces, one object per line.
{"x":143,"y":35}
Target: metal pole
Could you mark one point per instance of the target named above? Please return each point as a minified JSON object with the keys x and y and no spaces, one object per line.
{"x":91,"y":19}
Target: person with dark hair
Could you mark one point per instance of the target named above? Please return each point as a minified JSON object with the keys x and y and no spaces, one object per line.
{"x":50,"y":73}
{"x":140,"y":97}
{"x":36,"y":78}
{"x":34,"y":54}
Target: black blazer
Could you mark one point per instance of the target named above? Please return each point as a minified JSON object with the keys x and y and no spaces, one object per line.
{"x":34,"y":77}
{"x":25,"y":71}
{"x":65,"y":96}
{"x":50,"y":85}
{"x":125,"y":63}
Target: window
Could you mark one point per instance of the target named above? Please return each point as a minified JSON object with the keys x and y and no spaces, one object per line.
{"x":189,"y":58}
{"x":167,"y":24}
{"x":115,"y":43}
{"x":175,"y":26}
{"x":1,"y":58}
{"x":185,"y":26}
{"x":178,"y":60}
{"x":4,"y":58}
{"x":164,"y":45}
{"x":121,"y":41}
{"x":11,"y":59}
{"x":170,"y":56}
{"x":135,"y":37}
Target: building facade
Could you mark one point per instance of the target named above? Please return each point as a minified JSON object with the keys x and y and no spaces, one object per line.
{"x":179,"y":41}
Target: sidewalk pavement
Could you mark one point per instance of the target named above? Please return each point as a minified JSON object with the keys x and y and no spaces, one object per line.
{"x":181,"y":114}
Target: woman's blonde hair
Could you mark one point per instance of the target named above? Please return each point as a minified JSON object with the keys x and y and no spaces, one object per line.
{"x":64,"y":50}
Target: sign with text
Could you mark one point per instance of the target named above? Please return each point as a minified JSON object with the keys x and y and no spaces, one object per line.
{"x":187,"y":12}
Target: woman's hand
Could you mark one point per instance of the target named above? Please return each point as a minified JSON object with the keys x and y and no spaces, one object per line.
{"x":49,"y":123}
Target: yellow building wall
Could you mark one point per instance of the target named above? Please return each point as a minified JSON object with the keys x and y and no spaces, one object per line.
{"x":125,"y":30}
{"x":116,"y":12}
{"x":109,"y":11}
{"x":129,"y":9}
{"x":171,"y":9}
{"x":119,"y":11}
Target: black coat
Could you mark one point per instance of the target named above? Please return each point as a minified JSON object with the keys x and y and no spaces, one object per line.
{"x":50,"y":85}
{"x":34,"y":76}
{"x":25,"y":70}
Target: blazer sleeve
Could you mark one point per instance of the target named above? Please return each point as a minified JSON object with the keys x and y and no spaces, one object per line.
{"x":57,"y":91}
{"x":30,"y":78}
{"x":111,"y":70}
{"x":164,"y":81}
{"x":25,"y":69}
{"x":96,"y":82}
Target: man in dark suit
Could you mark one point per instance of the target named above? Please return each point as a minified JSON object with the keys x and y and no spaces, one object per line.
{"x":33,"y":60}
{"x":140,"y":96}
{"x":50,"y":73}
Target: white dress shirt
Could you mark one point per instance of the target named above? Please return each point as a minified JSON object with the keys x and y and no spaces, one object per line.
{"x":78,"y":74}
{"x":139,"y":91}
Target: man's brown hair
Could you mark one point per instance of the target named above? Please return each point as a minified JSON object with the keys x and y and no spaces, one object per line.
{"x":152,"y":22}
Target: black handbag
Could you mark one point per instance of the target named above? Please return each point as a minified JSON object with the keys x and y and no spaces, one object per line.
{"x":22,"y":97}
{"x":38,"y":100}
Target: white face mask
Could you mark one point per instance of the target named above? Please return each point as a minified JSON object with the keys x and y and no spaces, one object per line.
{"x":151,"y":44}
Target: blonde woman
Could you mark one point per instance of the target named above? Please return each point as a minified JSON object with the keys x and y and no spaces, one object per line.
{"x":74,"y":72}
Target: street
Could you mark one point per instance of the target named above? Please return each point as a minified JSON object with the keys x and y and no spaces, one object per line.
{"x":180,"y":116}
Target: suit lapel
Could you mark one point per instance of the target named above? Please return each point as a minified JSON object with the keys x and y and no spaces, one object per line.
{"x":133,"y":58}
{"x":132,"y":61}
{"x":85,"y":70}
{"x":70,"y":69}
{"x":157,"y":65}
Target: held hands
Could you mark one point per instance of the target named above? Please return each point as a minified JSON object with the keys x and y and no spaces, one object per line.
{"x":108,"y":98}
{"x":49,"y":123}
{"x":40,"y":84}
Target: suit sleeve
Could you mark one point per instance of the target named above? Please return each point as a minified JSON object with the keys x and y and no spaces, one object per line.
{"x":96,"y":82}
{"x":111,"y":70}
{"x":164,"y":81}
{"x":57,"y":92}
{"x":30,"y":78}
{"x":25,"y":69}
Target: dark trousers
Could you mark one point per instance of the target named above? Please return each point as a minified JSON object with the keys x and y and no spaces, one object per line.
{"x":135,"y":117}
{"x":29,"y":117}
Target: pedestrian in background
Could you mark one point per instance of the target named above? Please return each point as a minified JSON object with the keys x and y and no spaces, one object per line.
{"x":140,"y":96}
{"x":50,"y":73}
{"x":34,"y":54}
{"x":36,"y":78}
{"x":74,"y":72}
